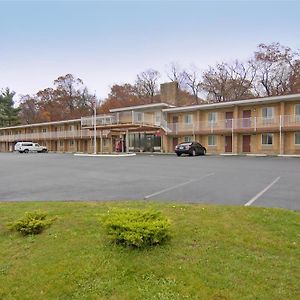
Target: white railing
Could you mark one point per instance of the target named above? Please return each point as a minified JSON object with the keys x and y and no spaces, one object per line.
{"x":250,"y":124}
{"x":50,"y":135}
{"x":128,"y":117}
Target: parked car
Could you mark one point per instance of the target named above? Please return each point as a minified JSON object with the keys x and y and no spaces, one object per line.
{"x":25,"y":147}
{"x":190,"y":148}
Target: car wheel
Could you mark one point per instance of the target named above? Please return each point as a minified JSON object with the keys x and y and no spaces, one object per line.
{"x":44,"y":150}
{"x":26,"y":151}
{"x":178,"y":154}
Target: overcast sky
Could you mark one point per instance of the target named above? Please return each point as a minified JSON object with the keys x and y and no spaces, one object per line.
{"x":104,"y":43}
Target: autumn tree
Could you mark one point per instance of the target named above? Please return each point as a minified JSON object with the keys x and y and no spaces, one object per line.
{"x":225,"y":81}
{"x":277,"y":70}
{"x":8,"y":113}
{"x":68,"y":99}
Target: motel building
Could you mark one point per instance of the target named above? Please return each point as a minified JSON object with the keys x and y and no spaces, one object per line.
{"x":256,"y":126}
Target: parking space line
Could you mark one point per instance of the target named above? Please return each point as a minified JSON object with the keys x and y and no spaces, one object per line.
{"x":177,"y":186}
{"x":262,"y":192}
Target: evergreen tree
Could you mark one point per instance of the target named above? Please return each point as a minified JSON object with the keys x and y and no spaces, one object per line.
{"x":8,"y":114}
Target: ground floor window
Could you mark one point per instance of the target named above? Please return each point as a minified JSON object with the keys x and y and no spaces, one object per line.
{"x":188,"y":139}
{"x":297,"y":138}
{"x":71,"y":143}
{"x":267,"y":139}
{"x":212,"y":140}
{"x":147,"y":142}
{"x":61,"y":143}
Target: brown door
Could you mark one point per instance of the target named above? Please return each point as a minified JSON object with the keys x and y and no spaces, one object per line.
{"x":247,"y":118}
{"x":246,"y":143}
{"x":228,"y":117}
{"x":228,"y":143}
{"x":175,"y":142}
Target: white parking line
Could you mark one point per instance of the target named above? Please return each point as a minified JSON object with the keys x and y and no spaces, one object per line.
{"x":262,"y":192}
{"x":177,"y":186}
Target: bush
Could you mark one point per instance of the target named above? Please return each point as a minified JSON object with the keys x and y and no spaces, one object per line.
{"x":32,"y":223}
{"x":136,"y":228}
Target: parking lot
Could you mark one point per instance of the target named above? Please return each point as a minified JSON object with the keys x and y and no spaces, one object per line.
{"x":256,"y":181}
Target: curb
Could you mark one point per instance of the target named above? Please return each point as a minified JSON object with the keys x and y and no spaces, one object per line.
{"x":105,"y":155}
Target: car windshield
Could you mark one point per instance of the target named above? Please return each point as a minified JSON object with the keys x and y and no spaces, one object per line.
{"x":185,"y":144}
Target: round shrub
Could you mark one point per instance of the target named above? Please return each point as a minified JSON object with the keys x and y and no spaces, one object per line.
{"x":136,"y":228}
{"x":32,"y":223}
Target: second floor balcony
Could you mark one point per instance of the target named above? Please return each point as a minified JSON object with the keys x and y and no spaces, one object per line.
{"x":252,"y":124}
{"x":121,"y":118}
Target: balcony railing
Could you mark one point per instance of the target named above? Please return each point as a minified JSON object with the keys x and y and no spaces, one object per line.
{"x":252,"y":124}
{"x":50,"y":135}
{"x":128,"y":117}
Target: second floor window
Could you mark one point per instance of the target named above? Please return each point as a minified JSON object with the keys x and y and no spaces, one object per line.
{"x":212,"y":117}
{"x":188,"y":119}
{"x":44,"y":130}
{"x":267,"y":112}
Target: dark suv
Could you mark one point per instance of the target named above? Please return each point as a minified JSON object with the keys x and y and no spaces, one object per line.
{"x":190,"y":148}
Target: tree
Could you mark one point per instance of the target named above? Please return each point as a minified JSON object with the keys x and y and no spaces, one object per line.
{"x":147,"y":84}
{"x":226,"y":81}
{"x":277,"y":70}
{"x":8,"y":114}
{"x":175,"y":73}
{"x":192,"y":82}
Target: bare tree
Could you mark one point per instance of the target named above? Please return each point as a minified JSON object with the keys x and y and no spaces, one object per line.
{"x":175,"y":73}
{"x":226,"y":81}
{"x":192,"y":82}
{"x":147,"y":84}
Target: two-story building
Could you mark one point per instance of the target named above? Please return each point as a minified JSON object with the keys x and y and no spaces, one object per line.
{"x":258,"y":126}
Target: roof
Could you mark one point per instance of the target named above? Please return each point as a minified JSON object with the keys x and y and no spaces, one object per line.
{"x":234,"y":103}
{"x":42,"y":124}
{"x":141,"y":107}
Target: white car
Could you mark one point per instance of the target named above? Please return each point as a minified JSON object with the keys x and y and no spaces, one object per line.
{"x":25,"y":147}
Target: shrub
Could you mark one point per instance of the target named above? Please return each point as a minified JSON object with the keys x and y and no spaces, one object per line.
{"x":136,"y":228}
{"x":32,"y":223}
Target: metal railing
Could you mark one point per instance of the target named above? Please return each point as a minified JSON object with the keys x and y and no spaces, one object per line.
{"x":128,"y":117}
{"x":241,"y":124}
{"x":50,"y":135}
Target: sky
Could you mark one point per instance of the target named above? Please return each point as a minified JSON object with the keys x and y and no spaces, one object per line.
{"x":110,"y":42}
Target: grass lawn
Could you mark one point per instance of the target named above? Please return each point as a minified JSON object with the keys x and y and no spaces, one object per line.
{"x":216,"y":252}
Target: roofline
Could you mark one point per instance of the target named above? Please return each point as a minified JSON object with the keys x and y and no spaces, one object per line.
{"x":41,"y":124}
{"x":234,"y":103}
{"x":152,"y":105}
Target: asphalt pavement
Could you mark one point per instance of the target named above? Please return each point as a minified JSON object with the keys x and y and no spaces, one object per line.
{"x":255,"y":181}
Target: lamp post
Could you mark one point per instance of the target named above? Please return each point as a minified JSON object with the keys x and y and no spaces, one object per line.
{"x":95,"y":129}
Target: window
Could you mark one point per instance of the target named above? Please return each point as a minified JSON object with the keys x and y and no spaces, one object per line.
{"x":71,"y":143}
{"x":61,"y":143}
{"x":212,"y":140}
{"x":267,"y":112}
{"x":71,"y":128}
{"x":188,"y":139}
{"x":188,"y":119}
{"x":297,"y":138}
{"x":297,"y":110}
{"x":44,"y":130}
{"x":267,"y":139}
{"x":212,"y":117}
{"x":157,"y":117}
{"x":138,"y":116}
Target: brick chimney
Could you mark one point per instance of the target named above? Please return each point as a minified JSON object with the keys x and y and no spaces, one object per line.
{"x":169,"y":93}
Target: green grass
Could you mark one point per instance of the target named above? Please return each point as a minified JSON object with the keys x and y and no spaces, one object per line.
{"x":216,"y":252}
